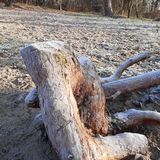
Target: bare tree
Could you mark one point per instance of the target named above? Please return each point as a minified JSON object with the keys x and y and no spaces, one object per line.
{"x":8,"y":3}
{"x":108,"y":8}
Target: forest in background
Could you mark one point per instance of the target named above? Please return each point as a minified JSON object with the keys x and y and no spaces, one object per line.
{"x":127,"y":8}
{"x":107,"y":42}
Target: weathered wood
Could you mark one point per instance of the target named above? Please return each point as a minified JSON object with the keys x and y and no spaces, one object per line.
{"x":126,"y":85}
{"x":90,"y":98}
{"x":134,"y":117}
{"x":88,"y":93}
{"x":57,"y":75}
{"x":112,"y":93}
{"x":129,"y":62}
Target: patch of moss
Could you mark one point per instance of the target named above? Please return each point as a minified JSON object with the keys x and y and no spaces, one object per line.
{"x":61,"y":57}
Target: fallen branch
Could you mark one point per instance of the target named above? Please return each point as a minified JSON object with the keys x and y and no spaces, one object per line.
{"x":126,"y":85}
{"x":125,"y":65}
{"x":134,"y":117}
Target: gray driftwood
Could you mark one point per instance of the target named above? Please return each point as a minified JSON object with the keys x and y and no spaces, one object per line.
{"x":72,"y":103}
{"x":129,"y":62}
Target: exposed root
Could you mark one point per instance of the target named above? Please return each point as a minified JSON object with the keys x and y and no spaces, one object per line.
{"x":126,"y":85}
{"x":129,"y":62}
{"x":125,"y":144}
{"x":54,"y":70}
{"x":134,"y":117}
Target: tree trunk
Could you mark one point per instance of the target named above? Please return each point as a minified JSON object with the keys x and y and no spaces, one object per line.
{"x":72,"y":104}
{"x":8,"y":3}
{"x":108,"y":8}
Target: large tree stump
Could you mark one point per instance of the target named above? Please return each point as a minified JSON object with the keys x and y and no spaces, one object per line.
{"x":72,"y":104}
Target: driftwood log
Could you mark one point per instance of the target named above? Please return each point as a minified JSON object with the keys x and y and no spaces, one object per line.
{"x":72,"y":102}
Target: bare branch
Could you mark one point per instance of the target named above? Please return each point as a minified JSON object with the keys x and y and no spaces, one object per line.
{"x":125,"y":65}
{"x":134,"y":117}
{"x":126,"y":85}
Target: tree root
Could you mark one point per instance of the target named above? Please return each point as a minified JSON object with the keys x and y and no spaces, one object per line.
{"x":126,"y":85}
{"x":125,"y":144}
{"x":64,"y":86}
{"x":134,"y":117}
{"x":129,"y":62}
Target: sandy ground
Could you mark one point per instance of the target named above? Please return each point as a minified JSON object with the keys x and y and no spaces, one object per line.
{"x":106,"y":41}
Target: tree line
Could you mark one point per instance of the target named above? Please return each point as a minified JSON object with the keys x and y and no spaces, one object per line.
{"x":134,"y":8}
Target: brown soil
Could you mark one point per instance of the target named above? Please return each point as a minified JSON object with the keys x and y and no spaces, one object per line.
{"x":106,"y":41}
